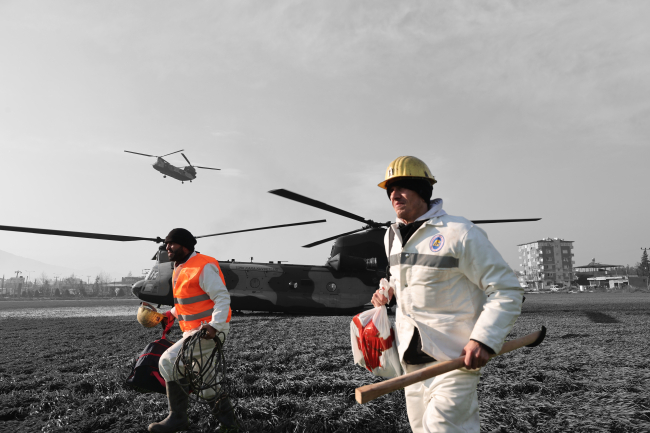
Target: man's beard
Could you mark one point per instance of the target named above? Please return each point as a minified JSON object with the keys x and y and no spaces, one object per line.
{"x":179,"y":257}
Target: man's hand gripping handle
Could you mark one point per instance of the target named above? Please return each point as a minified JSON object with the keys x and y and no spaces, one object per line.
{"x":367,"y":393}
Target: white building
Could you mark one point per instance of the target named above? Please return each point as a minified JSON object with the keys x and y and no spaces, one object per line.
{"x":547,"y":262}
{"x":611,"y":282}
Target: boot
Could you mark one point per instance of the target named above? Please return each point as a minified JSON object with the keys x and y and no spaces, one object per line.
{"x":178,"y":401}
{"x":225,"y":414}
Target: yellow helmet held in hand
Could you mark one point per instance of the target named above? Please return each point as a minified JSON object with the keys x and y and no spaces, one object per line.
{"x":407,"y":167}
{"x":148,"y":316}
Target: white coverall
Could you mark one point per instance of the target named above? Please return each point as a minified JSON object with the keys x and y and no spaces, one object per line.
{"x":210,"y":282}
{"x":454,"y":286}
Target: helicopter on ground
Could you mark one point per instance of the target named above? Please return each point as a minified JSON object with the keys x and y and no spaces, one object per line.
{"x":178,"y":173}
{"x":344,"y":285}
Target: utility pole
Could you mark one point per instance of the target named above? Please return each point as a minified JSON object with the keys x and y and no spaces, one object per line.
{"x":17,"y":272}
{"x":29,"y":278}
{"x":644,"y":266}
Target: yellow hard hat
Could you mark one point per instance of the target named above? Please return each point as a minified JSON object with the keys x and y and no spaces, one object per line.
{"x":407,"y":167}
{"x":148,"y":316}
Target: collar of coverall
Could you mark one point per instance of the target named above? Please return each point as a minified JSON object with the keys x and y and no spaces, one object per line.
{"x":435,"y":211}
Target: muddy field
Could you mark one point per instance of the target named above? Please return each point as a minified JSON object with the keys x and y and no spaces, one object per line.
{"x":295,"y":374}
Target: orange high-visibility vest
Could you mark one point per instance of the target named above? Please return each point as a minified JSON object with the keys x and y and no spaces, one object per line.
{"x":193,"y":305}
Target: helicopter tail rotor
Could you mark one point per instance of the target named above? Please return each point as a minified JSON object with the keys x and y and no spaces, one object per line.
{"x":263,"y":228}
{"x":198,"y":166}
{"x":318,"y":204}
{"x":370,"y":223}
{"x":505,"y":221}
{"x":143,"y":154}
{"x":121,"y":238}
{"x":171,"y":153}
{"x":324,"y":206}
{"x":86,"y":235}
{"x":154,"y":156}
{"x":322,"y":241}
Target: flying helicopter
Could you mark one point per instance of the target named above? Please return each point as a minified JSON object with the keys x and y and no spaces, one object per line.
{"x":344,"y":285}
{"x":178,"y":173}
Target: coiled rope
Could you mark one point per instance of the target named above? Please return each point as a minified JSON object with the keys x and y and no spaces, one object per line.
{"x":203,"y":372}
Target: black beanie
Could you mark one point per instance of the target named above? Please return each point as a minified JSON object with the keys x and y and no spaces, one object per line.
{"x":421,"y":186}
{"x":181,"y":237}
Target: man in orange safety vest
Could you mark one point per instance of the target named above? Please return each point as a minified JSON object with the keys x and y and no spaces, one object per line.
{"x":201,"y":302}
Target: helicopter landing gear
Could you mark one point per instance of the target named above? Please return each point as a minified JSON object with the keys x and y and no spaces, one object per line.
{"x":164,"y":176}
{"x":182,"y":182}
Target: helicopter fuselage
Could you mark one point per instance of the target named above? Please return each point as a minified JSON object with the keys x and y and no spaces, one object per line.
{"x":182,"y":174}
{"x":343,"y":286}
{"x":276,"y":287}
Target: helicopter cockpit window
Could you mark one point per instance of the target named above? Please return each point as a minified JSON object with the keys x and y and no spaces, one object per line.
{"x":162,"y":256}
{"x":153,"y":274}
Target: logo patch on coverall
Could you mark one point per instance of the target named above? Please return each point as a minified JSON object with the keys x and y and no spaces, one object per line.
{"x":437,"y":242}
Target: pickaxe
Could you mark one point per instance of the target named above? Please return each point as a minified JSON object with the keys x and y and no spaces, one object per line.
{"x":370,"y":392}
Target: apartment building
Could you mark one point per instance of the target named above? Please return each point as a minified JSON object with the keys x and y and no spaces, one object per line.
{"x":547,"y":262}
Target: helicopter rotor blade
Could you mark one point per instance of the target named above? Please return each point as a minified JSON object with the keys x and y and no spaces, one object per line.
{"x":263,"y":228}
{"x":78,"y":234}
{"x":322,"y":241}
{"x":188,"y":161}
{"x":172,"y":153}
{"x":143,"y":154}
{"x":315,"y":203}
{"x":206,"y":168}
{"x":505,"y":221}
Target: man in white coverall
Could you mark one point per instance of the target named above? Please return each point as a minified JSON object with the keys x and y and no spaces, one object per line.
{"x":201,"y":302}
{"x":455,"y":296}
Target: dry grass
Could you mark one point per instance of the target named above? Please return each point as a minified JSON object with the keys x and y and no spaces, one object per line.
{"x":295,"y":374}
{"x":590,"y":374}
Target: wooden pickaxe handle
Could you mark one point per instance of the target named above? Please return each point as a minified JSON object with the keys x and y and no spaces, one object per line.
{"x":370,"y":392}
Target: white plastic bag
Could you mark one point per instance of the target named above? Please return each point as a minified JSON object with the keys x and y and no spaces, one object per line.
{"x":373,"y":341}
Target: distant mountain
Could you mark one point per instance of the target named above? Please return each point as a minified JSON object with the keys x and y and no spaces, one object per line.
{"x":10,"y":263}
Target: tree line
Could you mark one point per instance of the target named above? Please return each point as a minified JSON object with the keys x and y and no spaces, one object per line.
{"x":46,"y":286}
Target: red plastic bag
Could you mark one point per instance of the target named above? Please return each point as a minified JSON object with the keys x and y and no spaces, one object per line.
{"x":373,"y":343}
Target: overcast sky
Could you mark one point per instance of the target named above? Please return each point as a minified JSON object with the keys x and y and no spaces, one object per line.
{"x":520,"y":108}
